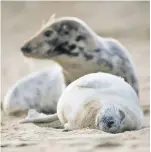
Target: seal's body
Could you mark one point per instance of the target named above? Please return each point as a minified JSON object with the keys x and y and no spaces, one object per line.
{"x":99,"y":101}
{"x":80,"y":51}
{"x":40,"y":91}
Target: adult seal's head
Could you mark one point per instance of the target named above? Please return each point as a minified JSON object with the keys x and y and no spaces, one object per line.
{"x":62,"y":36}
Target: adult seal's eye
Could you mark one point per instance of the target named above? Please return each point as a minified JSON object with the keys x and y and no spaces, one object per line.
{"x":48,"y":33}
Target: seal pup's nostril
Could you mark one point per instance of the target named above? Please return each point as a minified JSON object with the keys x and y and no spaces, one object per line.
{"x":26,"y":49}
{"x":110,"y":123}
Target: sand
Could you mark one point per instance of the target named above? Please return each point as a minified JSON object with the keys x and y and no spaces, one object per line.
{"x":126,"y":21}
{"x":18,"y":137}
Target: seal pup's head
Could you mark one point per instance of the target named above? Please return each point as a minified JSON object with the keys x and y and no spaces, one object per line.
{"x":110,"y":119}
{"x":66,"y":36}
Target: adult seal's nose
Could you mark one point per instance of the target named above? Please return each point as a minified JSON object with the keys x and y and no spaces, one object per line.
{"x":26,"y":49}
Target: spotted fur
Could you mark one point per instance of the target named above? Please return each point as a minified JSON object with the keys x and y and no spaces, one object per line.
{"x":72,"y":43}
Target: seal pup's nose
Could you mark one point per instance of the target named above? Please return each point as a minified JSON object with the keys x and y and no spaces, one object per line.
{"x":110,"y":123}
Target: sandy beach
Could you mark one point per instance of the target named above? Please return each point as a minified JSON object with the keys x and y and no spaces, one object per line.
{"x":126,"y":21}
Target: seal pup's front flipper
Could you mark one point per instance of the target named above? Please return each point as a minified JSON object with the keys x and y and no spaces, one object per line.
{"x":35,"y":117}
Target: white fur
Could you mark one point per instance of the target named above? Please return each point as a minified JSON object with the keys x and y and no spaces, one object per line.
{"x":87,"y":98}
{"x":106,"y":89}
{"x":39,"y":90}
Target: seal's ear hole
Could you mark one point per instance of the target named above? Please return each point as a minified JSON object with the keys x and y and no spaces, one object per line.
{"x":65,"y":29}
{"x":48,"y":33}
{"x":122,"y":114}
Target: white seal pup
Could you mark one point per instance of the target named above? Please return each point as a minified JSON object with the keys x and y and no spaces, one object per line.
{"x":40,"y":91}
{"x":99,"y":101}
{"x":80,"y":51}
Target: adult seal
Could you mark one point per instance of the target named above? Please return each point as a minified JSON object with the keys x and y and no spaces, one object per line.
{"x":79,"y":50}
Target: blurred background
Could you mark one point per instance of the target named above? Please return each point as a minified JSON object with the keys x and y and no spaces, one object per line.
{"x":126,"y":21}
